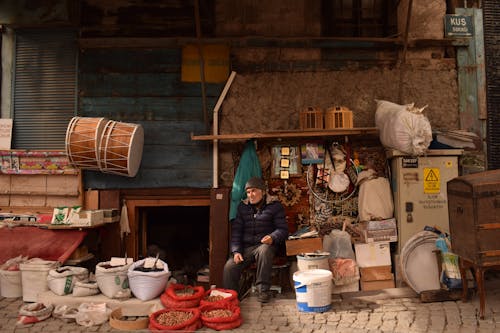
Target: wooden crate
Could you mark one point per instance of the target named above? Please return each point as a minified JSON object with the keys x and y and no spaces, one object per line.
{"x":306,"y":245}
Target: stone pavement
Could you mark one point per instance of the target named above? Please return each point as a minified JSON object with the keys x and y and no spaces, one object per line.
{"x":391,"y":310}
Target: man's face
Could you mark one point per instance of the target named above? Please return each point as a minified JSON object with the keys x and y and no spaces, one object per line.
{"x":254,"y":195}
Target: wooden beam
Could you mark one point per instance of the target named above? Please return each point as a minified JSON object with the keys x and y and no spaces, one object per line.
{"x":289,"y":134}
{"x":298,"y":42}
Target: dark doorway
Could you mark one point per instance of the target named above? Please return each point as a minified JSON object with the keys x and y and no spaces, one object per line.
{"x":180,"y":234}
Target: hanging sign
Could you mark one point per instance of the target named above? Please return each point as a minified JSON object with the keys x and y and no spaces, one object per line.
{"x":458,"y":26}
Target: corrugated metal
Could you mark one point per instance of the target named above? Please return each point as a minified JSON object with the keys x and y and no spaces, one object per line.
{"x":491,"y":13}
{"x":44,"y":88}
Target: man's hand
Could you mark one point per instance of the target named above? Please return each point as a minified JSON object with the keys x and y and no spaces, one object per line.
{"x":237,"y":257}
{"x":267,"y":240}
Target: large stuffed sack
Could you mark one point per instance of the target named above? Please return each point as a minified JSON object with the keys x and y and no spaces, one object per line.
{"x":375,"y":197}
{"x":403,"y":127}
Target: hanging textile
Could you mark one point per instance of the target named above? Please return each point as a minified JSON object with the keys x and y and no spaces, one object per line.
{"x":249,"y":167}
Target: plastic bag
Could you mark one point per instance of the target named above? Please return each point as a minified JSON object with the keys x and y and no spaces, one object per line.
{"x":344,"y":271}
{"x":450,"y":274}
{"x":338,"y":243}
{"x":403,"y":127}
{"x":62,"y":280}
{"x":90,"y":314}
{"x":34,"y":313}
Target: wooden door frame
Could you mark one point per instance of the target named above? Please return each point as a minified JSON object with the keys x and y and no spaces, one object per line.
{"x":218,"y":202}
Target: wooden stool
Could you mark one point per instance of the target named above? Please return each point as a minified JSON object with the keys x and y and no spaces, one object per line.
{"x":248,"y":276}
{"x":479,"y":271}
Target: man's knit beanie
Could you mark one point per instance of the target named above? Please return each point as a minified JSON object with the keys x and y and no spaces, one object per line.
{"x":255,"y":182}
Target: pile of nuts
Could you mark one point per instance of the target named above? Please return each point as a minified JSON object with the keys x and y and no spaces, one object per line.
{"x":173,"y":318}
{"x":184,"y":292}
{"x":219,"y":313}
{"x":214,"y":298}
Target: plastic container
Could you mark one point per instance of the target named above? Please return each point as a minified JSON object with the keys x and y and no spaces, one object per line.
{"x":313,"y":289}
{"x":11,"y":284}
{"x":34,"y":274}
{"x":306,"y":261}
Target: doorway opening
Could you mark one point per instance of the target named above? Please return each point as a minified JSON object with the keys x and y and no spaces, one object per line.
{"x":180,"y":236}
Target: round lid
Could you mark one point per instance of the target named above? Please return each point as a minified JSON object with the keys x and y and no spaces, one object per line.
{"x":419,"y":264}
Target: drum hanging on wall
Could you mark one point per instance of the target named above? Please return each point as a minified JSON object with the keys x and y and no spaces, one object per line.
{"x":82,"y":141}
{"x":120,"y":148}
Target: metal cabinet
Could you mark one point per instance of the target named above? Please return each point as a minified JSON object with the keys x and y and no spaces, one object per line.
{"x":419,"y":190}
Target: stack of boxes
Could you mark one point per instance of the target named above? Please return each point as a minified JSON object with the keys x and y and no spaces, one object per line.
{"x":374,"y":256}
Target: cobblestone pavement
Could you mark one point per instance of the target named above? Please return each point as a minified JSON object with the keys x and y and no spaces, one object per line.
{"x":359,"y":312}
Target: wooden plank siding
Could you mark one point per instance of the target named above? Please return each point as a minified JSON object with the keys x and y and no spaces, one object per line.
{"x":144,"y":86}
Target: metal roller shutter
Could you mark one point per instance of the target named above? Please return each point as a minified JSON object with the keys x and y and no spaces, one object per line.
{"x":45,"y":84}
{"x":492,"y":52}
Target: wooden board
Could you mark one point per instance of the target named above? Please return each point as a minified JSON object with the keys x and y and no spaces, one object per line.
{"x":440,"y":295}
{"x":306,"y":245}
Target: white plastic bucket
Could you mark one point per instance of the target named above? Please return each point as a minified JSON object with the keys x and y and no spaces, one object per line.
{"x":34,"y":277}
{"x":307,"y":261}
{"x":10,"y":284}
{"x":313,"y":289}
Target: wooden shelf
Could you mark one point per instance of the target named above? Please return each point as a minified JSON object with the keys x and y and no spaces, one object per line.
{"x":290,"y":134}
{"x":73,"y":226}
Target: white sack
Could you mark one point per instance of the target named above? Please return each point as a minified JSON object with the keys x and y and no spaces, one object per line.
{"x":375,"y":197}
{"x":403,"y":127}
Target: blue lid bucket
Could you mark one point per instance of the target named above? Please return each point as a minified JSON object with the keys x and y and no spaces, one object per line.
{"x":313,"y":289}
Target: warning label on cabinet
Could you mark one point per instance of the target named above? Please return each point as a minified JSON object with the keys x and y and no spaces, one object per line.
{"x":432,"y":183}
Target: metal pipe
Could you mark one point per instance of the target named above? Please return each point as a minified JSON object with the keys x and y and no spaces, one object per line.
{"x":215,"y":159}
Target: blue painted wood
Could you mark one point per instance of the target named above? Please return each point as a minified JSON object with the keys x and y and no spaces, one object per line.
{"x":144,"y":87}
{"x":151,"y":178}
{"x":146,"y":108}
{"x":471,"y":78}
{"x":142,"y":84}
{"x":130,"y":60}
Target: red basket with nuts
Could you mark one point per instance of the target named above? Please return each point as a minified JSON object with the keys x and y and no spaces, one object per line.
{"x":186,"y":320}
{"x":220,"y":316}
{"x":220,"y":296}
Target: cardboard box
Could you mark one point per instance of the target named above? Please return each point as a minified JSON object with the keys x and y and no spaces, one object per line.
{"x":111,"y":215}
{"x":304,"y":245}
{"x":346,"y":288}
{"x":378,"y":231}
{"x":377,"y":284}
{"x":376,"y":273}
{"x":373,"y":254}
{"x":86,"y":217}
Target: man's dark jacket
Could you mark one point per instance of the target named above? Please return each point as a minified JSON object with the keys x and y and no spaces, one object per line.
{"x":251,"y":224}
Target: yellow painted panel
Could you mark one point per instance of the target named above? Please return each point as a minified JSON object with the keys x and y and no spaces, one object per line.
{"x":216,"y":63}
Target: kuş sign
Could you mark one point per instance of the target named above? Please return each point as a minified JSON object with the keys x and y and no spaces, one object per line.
{"x":458,"y":26}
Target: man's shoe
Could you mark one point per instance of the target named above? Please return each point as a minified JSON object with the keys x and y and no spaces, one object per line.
{"x":264,"y":297}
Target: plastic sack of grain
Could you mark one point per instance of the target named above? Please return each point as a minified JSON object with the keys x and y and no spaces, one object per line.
{"x":403,"y":127}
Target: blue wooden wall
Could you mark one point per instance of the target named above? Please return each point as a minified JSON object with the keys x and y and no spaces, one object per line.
{"x":144,"y":86}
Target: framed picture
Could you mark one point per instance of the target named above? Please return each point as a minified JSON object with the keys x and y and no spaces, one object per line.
{"x":286,"y":162}
{"x":312,"y":153}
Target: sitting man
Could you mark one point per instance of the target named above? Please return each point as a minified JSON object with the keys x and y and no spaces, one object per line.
{"x":257,"y":232}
